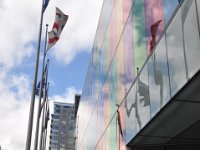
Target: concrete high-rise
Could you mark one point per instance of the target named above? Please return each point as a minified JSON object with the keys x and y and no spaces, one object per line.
{"x":62,"y":136}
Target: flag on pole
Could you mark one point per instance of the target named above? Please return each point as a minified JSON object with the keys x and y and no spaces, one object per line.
{"x":154,"y":29}
{"x":37,"y":91}
{"x":44,"y":78}
{"x":60,"y":21}
{"x":46,"y":2}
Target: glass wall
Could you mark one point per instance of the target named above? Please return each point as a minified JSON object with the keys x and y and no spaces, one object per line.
{"x":123,"y":72}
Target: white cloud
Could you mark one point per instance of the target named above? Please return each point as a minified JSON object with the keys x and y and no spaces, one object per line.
{"x":18,"y":31}
{"x":68,"y":96}
{"x":18,"y":39}
{"x":14,"y":110}
{"x":20,"y":27}
{"x":79,"y":32}
{"x":15,"y":102}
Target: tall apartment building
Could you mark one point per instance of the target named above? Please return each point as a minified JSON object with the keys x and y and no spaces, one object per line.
{"x":62,"y":136}
{"x":142,"y":88}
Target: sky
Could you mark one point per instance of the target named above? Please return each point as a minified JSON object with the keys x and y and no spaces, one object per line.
{"x":69,"y":59}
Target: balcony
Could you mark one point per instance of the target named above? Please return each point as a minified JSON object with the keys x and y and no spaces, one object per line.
{"x":162,"y":106}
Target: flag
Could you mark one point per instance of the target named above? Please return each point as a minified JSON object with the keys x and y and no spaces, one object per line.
{"x":60,"y":21}
{"x":37,"y":91}
{"x":44,"y":77}
{"x":154,"y":29}
{"x":119,"y":123}
{"x":46,"y":2}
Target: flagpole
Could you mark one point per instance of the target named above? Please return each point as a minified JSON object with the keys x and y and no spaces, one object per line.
{"x":45,"y":137}
{"x":40,"y":93}
{"x":45,"y":108}
{"x":31,"y":112}
{"x":44,"y":144}
{"x":43,"y":118}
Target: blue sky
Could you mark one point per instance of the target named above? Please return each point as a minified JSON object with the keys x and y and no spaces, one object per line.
{"x":72,"y":75}
{"x":69,"y":59}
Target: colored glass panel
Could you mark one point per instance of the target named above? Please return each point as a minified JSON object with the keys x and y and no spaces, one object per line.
{"x":120,"y":72}
{"x":169,"y":7}
{"x":120,"y":47}
{"x":128,"y":54}
{"x":153,"y":13}
{"x":139,"y":34}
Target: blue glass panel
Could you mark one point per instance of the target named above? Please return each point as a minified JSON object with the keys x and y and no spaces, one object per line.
{"x":169,"y":8}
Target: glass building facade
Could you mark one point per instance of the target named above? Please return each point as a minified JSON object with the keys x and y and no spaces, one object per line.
{"x":126,"y":85}
{"x":62,"y":136}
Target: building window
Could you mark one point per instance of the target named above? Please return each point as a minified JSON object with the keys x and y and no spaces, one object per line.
{"x":55,"y":122}
{"x":55,"y":127}
{"x":54,"y":138}
{"x":63,"y":127}
{"x":54,"y":132}
{"x":63,"y":117}
{"x":55,"y":116}
{"x":72,"y":117}
{"x":57,"y":109}
{"x":71,"y":127}
{"x":64,"y":111}
{"x":63,"y":139}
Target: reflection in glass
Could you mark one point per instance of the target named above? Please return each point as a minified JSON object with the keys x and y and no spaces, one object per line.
{"x":111,"y":134}
{"x":198,"y":8}
{"x":176,"y":59}
{"x":169,"y":7}
{"x":104,"y":20}
{"x":191,"y":36}
{"x":139,"y":34}
{"x":113,"y":85}
{"x":154,"y":11}
{"x":142,"y":97}
{"x":100,"y":116}
{"x":129,"y":74}
{"x":130,"y":113}
{"x":137,"y":105}
{"x":120,"y":72}
{"x":158,"y":77}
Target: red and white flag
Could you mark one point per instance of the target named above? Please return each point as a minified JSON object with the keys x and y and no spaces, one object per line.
{"x":154,"y":29}
{"x":60,"y":21}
